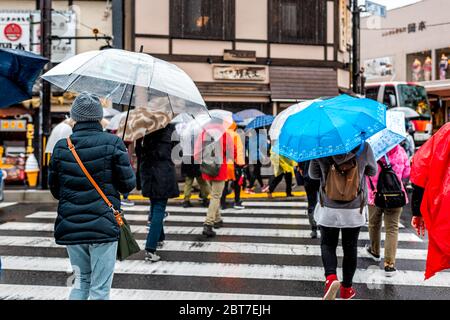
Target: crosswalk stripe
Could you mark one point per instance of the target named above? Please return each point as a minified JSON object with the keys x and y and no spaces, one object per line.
{"x":177,"y":218}
{"x":27,"y":292}
{"x":251,"y":232}
{"x":220,"y":247}
{"x":276,"y":204}
{"x":188,"y":218}
{"x":7,"y":204}
{"x":282,"y":211}
{"x":228,"y":270}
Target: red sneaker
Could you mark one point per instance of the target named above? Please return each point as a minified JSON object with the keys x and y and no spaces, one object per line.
{"x":347,"y":293}
{"x":332,"y":286}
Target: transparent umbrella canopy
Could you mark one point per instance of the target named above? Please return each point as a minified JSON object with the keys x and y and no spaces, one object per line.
{"x":128,"y":78}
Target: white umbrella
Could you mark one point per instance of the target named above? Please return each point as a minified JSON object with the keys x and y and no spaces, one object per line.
{"x":224,"y":115}
{"x":115,"y":121}
{"x":395,"y":132}
{"x":60,"y":131}
{"x":280,"y":119}
{"x":109,"y":113}
{"x":181,"y":121}
{"x":63,"y":130}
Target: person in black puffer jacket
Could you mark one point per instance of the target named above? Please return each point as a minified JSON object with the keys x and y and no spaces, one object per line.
{"x":158,"y":182}
{"x":84,"y":222}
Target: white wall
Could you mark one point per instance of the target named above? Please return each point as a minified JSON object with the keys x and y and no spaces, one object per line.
{"x":374,"y":45}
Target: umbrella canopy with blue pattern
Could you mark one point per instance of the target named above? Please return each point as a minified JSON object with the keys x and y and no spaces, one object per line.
{"x":260,"y":122}
{"x":330,"y":127}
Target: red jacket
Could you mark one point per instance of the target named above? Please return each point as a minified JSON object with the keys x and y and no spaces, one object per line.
{"x":225,"y":141}
{"x":431,"y":171}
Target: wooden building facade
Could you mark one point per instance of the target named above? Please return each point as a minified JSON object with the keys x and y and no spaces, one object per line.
{"x":264,"y":54}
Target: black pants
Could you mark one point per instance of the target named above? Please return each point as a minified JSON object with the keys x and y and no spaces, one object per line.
{"x":312,"y":193}
{"x":237,"y":193}
{"x":254,"y":174}
{"x":329,"y":243}
{"x":287,"y":178}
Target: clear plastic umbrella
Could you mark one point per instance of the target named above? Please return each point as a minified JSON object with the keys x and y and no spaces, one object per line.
{"x":385,"y":140}
{"x":280,"y":119}
{"x":123,"y":76}
{"x":129,"y":78}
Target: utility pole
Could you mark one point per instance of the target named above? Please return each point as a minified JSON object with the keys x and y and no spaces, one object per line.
{"x":44,"y":111}
{"x":356,"y":21}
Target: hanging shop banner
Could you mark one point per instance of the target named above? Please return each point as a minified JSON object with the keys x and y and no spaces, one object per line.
{"x":15,"y":30}
{"x":379,"y":68}
{"x":63,"y":25}
{"x":344,"y":25}
{"x":13,"y":125}
{"x":239,"y":73}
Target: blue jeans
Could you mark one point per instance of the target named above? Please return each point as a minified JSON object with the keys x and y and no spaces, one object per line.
{"x":93,"y":266}
{"x":156,"y":233}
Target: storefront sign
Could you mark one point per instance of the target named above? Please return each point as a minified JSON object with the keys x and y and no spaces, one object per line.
{"x":410,"y":28}
{"x":239,"y":55}
{"x":343,"y":25}
{"x":13,"y":125}
{"x":239,"y":73}
{"x":63,"y":25}
{"x":379,"y":67}
{"x":15,"y":30}
{"x":376,"y":9}
{"x":30,"y":137}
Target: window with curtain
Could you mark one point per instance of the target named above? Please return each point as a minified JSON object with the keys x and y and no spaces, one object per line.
{"x":297,"y":21}
{"x":202,"y":19}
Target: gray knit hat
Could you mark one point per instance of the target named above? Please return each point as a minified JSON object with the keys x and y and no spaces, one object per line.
{"x":86,"y":107}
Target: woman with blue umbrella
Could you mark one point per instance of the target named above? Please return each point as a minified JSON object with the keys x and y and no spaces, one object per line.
{"x":332,"y":134}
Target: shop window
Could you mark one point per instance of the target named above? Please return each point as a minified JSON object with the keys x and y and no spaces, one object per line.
{"x":442,"y":64}
{"x":419,"y":66}
{"x":202,"y":19}
{"x":297,"y":21}
{"x":372,"y":93}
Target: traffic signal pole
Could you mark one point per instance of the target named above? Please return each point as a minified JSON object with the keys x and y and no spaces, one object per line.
{"x":44,"y":110}
{"x":356,"y":21}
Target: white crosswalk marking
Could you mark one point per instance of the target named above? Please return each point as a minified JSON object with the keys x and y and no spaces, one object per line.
{"x":190,"y":218}
{"x":251,"y":232}
{"x":258,"y":247}
{"x":7,"y":204}
{"x":231,"y":270}
{"x":22,"y":292}
{"x":218,"y":247}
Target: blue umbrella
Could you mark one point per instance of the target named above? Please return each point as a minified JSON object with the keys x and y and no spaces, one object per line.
{"x":237,"y":118}
{"x":330,"y":127}
{"x":260,"y":122}
{"x":18,"y":72}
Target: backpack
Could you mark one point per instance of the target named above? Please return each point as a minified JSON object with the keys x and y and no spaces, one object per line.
{"x":343,"y":181}
{"x":389,"y":192}
{"x":209,"y":166}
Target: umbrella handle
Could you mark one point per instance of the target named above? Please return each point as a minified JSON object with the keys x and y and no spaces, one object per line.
{"x":129,"y":102}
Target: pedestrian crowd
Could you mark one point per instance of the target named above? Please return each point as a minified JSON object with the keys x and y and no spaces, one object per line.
{"x":344,"y":193}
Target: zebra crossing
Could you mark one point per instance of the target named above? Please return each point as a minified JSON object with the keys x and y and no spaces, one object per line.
{"x":262,"y":252}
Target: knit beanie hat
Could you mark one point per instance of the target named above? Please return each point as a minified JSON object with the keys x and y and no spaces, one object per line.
{"x":86,"y":107}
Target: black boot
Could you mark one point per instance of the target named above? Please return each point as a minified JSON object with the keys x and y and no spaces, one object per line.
{"x":187,"y":204}
{"x":218,"y":225}
{"x":208,"y":231}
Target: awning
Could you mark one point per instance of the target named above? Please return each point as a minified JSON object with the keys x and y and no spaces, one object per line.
{"x":439,"y":88}
{"x":14,"y":111}
{"x":302,"y":83}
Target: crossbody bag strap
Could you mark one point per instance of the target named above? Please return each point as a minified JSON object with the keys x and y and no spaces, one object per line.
{"x":88,"y":175}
